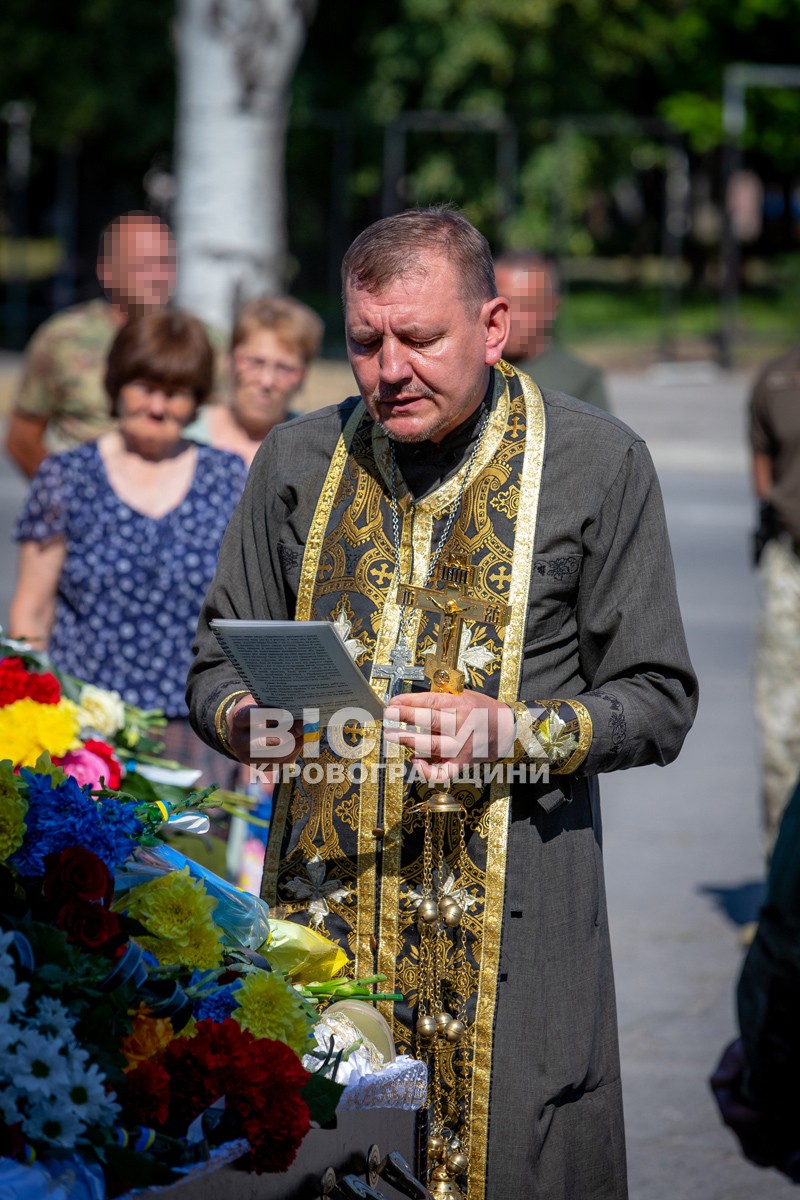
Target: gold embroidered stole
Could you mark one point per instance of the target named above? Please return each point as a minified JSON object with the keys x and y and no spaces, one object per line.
{"x":347,"y":856}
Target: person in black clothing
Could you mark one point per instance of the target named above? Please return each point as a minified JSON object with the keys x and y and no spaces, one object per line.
{"x":755,"y":1082}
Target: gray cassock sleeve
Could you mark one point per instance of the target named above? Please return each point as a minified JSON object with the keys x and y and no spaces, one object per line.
{"x":642,"y":693}
{"x":247,"y":585}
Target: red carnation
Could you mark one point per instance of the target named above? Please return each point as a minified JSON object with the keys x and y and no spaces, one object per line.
{"x":260,"y":1079}
{"x":17,"y":682}
{"x":76,"y":874}
{"x":145,"y":1096}
{"x":93,"y":927}
{"x":273,"y":1115}
{"x":201,"y":1068}
{"x":275,"y":1133}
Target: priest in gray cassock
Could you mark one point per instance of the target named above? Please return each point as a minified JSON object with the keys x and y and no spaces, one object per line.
{"x":485,"y":909}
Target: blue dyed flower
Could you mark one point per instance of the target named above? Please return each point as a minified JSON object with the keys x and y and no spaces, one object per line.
{"x":118,"y":830}
{"x":215,"y":1007}
{"x":68,"y":815}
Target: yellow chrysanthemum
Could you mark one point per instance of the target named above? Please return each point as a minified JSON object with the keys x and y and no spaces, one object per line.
{"x":13,"y":807}
{"x":28,"y":728}
{"x":176,"y":911}
{"x":271,"y":1008}
{"x":148,"y":1036}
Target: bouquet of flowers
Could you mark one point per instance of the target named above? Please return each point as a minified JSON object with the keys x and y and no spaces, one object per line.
{"x":45,"y":709}
{"x":96,"y":737}
{"x":132,"y":993}
{"x":135,"y":984}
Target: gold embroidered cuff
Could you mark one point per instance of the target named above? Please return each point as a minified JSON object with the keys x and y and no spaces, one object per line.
{"x":550,"y":738}
{"x":584,"y":739}
{"x":221,"y":719}
{"x":526,"y":744}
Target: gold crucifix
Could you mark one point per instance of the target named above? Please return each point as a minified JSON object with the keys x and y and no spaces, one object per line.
{"x":451,"y":599}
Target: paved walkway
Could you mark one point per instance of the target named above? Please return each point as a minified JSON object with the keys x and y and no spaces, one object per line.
{"x":683,"y":863}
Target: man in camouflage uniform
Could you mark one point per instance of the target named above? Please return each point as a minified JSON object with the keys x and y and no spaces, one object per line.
{"x":529,"y":283}
{"x":775,"y":442}
{"x":61,"y":400}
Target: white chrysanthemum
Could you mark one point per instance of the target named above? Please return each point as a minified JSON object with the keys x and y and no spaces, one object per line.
{"x":78,"y":1057}
{"x":108,"y":1111}
{"x":9,"y":1034}
{"x":86,"y":1093}
{"x":6,"y":941}
{"x":52,"y":1121}
{"x":10,"y":1110}
{"x":53,"y":1018}
{"x":12,"y":994}
{"x":38,"y":1065}
{"x":101,"y":711}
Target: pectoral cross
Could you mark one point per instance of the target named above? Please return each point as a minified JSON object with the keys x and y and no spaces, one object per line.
{"x":398,"y":669}
{"x":456,"y":606}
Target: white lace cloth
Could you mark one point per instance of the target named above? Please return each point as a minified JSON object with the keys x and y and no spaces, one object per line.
{"x":369,"y":1081}
{"x":401,"y":1084}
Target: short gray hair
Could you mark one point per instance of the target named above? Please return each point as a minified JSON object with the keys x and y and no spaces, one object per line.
{"x":396,"y":245}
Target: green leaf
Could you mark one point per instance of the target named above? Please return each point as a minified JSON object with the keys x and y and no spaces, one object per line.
{"x":322,"y":1095}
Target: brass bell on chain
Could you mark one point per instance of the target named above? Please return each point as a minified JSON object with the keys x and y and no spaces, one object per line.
{"x":452,"y":914}
{"x":444,"y":1187}
{"x":445,"y":1167}
{"x":426,"y":1028}
{"x":457,"y":1163}
{"x":428,"y":912}
{"x":455,"y":1030}
{"x":443,"y":1019}
{"x":436,"y":1147}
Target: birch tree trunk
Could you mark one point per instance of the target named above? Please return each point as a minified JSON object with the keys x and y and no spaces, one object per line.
{"x":236,"y":59}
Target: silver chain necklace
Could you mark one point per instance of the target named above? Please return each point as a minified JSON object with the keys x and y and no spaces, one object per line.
{"x":400,"y":657}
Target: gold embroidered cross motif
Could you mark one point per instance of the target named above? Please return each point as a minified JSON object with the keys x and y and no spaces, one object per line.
{"x":452,"y":600}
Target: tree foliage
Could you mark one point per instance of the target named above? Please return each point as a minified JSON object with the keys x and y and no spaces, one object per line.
{"x":103,"y":73}
{"x":91,"y":67}
{"x":539,"y":61}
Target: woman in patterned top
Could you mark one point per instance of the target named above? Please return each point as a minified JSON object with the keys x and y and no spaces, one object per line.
{"x":119,"y":537}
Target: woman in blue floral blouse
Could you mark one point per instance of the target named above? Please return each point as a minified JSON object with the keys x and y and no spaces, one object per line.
{"x":119,"y":537}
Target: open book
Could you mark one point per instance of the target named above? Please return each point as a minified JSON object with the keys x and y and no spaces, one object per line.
{"x":297,"y":665}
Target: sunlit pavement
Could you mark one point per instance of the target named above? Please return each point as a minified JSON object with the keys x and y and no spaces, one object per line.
{"x":682,"y":850}
{"x":683,"y":861}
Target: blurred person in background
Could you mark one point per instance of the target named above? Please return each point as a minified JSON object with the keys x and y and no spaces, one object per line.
{"x":119,"y":537}
{"x":755,"y":1082}
{"x":775,"y":445}
{"x":274,"y":339}
{"x":530,"y":284}
{"x":61,"y":400}
{"x":273,"y":342}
